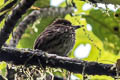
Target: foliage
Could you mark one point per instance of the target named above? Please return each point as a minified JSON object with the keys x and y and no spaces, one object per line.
{"x":3,"y":70}
{"x":104,"y":37}
{"x":107,"y":31}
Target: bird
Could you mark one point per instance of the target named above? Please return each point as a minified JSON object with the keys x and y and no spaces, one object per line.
{"x":58,"y":38}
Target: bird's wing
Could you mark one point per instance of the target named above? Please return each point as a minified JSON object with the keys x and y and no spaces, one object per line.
{"x":49,"y":37}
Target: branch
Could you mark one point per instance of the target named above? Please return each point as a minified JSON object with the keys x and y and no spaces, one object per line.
{"x":6,"y":8}
{"x":37,"y":57}
{"x":32,"y":17}
{"x":115,"y":2}
{"x":2,"y":17}
{"x":17,"y":12}
{"x":9,"y":5}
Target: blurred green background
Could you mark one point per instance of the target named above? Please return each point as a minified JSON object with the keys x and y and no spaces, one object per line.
{"x":101,"y":34}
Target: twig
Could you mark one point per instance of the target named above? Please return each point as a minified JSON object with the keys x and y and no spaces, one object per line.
{"x":2,"y":17}
{"x":9,"y":5}
{"x":17,"y":12}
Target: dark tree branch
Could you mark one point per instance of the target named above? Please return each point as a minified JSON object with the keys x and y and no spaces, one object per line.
{"x":2,"y":17}
{"x":32,"y":17}
{"x":9,"y":5}
{"x":115,"y":2}
{"x":17,"y":12}
{"x":36,"y":57}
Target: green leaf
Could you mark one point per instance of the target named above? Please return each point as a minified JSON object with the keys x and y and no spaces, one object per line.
{"x":106,"y":28}
{"x":42,"y":3}
{"x":3,"y":70}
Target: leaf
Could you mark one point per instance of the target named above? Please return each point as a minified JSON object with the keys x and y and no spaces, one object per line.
{"x":42,"y":3}
{"x":3,"y":70}
{"x":106,"y":28}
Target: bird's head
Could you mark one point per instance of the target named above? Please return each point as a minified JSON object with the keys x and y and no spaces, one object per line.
{"x":65,"y":22}
{"x":62,"y":21}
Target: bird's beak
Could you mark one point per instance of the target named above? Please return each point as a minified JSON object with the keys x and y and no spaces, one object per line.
{"x":77,"y":27}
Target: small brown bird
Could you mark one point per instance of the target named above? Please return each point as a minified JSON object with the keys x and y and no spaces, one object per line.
{"x":58,"y":38}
